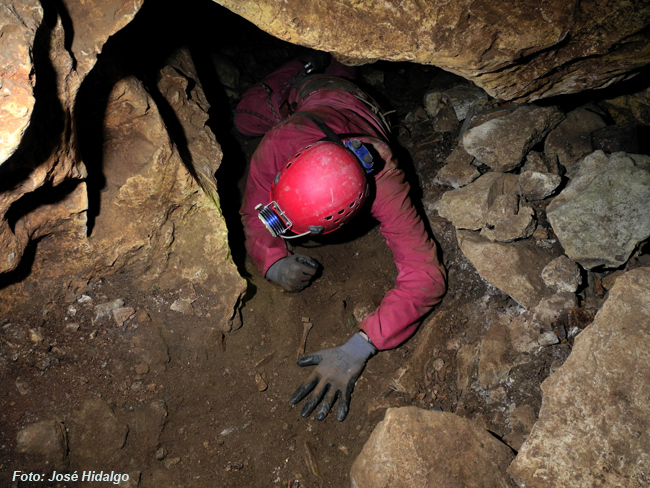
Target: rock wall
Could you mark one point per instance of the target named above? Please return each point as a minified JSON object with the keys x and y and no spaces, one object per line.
{"x":130,"y":192}
{"x":523,"y":51}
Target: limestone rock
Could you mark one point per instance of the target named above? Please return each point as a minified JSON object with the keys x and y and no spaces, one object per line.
{"x":525,"y":329}
{"x":562,"y":274}
{"x":514,"y":268}
{"x":18,"y":25}
{"x":540,"y":163}
{"x":465,"y":207}
{"x":466,"y":360}
{"x":48,"y":440}
{"x":96,"y":434}
{"x":592,"y":427}
{"x":571,"y":139}
{"x":414,"y":447}
{"x":502,"y":143}
{"x":512,"y":51}
{"x":490,"y":203}
{"x":494,"y":366}
{"x":601,"y":216}
{"x":459,"y":170}
{"x":521,"y":421}
{"x":534,"y":185}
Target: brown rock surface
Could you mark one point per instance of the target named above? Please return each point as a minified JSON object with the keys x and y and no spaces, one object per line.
{"x":592,"y":429}
{"x":521,"y":51}
{"x":414,"y":447}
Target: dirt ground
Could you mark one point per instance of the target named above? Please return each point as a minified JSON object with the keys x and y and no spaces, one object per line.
{"x":207,"y":409}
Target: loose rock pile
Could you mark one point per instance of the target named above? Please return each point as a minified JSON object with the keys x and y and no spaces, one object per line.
{"x":542,"y":213}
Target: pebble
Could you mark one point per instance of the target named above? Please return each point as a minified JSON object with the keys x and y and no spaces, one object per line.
{"x":142,"y":368}
{"x":35,"y":336}
{"x":548,"y":339}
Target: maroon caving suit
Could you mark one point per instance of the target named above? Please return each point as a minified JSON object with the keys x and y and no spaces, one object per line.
{"x":420,"y":283}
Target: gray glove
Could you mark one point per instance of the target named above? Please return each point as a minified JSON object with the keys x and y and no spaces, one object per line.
{"x":337,"y":371}
{"x":293,"y":273}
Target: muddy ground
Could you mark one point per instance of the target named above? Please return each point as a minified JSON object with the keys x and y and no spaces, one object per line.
{"x":178,"y":403}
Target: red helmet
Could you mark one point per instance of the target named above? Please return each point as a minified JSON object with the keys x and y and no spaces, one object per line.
{"x":318,"y":190}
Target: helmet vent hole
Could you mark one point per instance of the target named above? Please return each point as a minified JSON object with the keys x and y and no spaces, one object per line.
{"x":329,"y":217}
{"x":341,"y":211}
{"x":352,"y":204}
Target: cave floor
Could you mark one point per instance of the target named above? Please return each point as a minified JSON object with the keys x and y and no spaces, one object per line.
{"x":210,"y":409}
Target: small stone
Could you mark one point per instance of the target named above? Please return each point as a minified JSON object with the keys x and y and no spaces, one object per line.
{"x":182,"y":306}
{"x":35,"y":336}
{"x":121,"y":315}
{"x":562,"y":274}
{"x":73,"y":327}
{"x":22,"y":386}
{"x":103,"y":310}
{"x":548,"y":339}
{"x":172,"y":462}
{"x":142,"y":317}
{"x":161,"y":453}
{"x":261,"y":384}
{"x":142,"y":368}
{"x":438,"y":364}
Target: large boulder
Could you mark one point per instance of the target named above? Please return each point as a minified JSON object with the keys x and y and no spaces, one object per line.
{"x":602,"y":215}
{"x":513,"y":51}
{"x":415,"y":447}
{"x":592,"y":430}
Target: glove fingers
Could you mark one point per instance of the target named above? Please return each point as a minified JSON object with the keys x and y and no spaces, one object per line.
{"x":313,"y":400}
{"x":327,"y":403}
{"x":303,"y":389}
{"x":311,"y":360}
{"x":344,"y":401}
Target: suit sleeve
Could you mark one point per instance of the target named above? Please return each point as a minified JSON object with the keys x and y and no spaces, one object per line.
{"x":262,"y":247}
{"x":420,"y":283}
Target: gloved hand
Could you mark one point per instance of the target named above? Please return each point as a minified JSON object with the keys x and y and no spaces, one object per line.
{"x":337,"y":371}
{"x":293,"y":273}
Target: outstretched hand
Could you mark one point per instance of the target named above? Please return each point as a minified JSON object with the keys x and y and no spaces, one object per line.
{"x":294,"y":272}
{"x":337,"y":370}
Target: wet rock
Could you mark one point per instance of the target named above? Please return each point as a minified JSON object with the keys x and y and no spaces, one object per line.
{"x":601,"y":216}
{"x":494,"y":366}
{"x":592,"y":427}
{"x":413,"y":447}
{"x":502,"y":143}
{"x":48,"y":440}
{"x":571,"y":139}
{"x":459,"y":170}
{"x":562,"y":274}
{"x":96,"y":435}
{"x":514,"y":268}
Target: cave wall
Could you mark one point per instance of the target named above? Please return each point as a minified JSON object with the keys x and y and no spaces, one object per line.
{"x":521,"y":51}
{"x":57,"y":186}
{"x":104,"y":171}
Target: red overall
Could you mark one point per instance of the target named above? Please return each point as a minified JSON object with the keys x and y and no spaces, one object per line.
{"x":420,"y":283}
